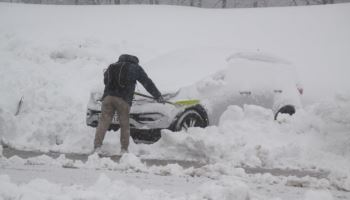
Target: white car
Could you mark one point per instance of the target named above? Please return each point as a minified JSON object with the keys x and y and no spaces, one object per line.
{"x":250,"y":78}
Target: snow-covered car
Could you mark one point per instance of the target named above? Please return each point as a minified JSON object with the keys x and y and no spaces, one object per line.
{"x":148,"y":118}
{"x":251,"y":78}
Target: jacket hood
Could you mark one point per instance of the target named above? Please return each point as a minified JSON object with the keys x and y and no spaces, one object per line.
{"x":128,"y":58}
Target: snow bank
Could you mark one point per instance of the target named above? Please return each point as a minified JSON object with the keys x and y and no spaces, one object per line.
{"x":316,"y":138}
{"x":105,"y":188}
{"x":249,"y":136}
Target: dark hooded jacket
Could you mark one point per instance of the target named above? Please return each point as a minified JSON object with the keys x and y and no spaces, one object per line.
{"x":128,"y":75}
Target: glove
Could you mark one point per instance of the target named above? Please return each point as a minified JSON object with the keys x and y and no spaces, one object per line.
{"x":160,"y":99}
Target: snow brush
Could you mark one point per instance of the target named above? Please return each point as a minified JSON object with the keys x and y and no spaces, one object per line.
{"x":177,"y":103}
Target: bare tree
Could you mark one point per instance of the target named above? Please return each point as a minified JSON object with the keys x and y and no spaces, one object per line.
{"x":327,"y":1}
{"x":224,"y":3}
{"x":309,"y":2}
{"x":199,"y":3}
{"x":153,"y":1}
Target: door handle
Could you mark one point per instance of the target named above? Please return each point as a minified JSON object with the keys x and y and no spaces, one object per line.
{"x":245,"y":92}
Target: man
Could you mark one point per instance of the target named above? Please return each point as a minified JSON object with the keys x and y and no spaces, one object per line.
{"x":120,"y":80}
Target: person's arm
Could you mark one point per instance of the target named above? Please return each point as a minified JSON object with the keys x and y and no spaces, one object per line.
{"x":148,"y":83}
{"x":105,"y":75}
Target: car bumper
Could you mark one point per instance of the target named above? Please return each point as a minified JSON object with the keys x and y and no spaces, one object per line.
{"x":141,"y":121}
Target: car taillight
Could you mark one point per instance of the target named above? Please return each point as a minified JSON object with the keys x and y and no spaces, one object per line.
{"x":301,"y":90}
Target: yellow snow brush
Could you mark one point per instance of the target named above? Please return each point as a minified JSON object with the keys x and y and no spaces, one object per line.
{"x":189,"y":102}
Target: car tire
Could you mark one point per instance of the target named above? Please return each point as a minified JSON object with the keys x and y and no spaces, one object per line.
{"x":147,"y":136}
{"x":188,"y":119}
{"x":288,"y":109}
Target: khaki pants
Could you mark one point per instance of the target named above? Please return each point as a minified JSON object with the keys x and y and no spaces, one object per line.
{"x":111,"y":104}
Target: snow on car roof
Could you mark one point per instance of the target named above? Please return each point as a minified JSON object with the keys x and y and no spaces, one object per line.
{"x":256,"y":56}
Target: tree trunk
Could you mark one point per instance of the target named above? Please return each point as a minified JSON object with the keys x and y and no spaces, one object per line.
{"x":191,"y":2}
{"x":199,"y":3}
{"x":224,"y":3}
{"x":330,"y":1}
{"x":156,"y":2}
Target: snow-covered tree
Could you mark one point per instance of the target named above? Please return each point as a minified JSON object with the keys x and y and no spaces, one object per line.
{"x":198,"y":3}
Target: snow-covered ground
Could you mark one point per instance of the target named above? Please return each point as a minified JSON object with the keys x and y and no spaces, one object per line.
{"x":100,"y":178}
{"x":54,"y":56}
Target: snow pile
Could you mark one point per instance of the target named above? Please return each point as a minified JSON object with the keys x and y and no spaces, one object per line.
{"x":316,"y":138}
{"x":249,"y":136}
{"x":225,"y":188}
{"x":318,"y":195}
{"x":128,"y":162}
{"x":105,"y":188}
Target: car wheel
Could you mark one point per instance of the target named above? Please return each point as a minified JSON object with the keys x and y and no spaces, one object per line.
{"x":147,"y":136}
{"x":288,"y":109}
{"x":190,"y":118}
